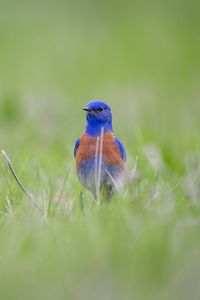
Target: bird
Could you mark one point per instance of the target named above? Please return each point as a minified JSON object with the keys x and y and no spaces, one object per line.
{"x":100,"y":156}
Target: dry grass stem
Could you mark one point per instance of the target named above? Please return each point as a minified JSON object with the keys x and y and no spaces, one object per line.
{"x":28,"y":194}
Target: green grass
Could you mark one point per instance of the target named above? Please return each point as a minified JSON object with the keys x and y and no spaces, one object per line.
{"x":142,"y":58}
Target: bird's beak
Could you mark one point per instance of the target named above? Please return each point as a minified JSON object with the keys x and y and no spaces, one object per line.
{"x":86,"y":108}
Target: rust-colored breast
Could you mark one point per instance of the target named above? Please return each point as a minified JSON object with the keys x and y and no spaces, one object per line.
{"x":88,"y":148}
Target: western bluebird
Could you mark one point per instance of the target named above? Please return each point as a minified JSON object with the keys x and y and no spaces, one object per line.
{"x":100,"y":156}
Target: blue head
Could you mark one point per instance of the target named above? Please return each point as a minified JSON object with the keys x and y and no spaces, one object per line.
{"x":98,"y":115}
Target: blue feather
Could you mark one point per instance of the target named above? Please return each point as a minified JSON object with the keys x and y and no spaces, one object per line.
{"x":121,"y":148}
{"x":76,"y":146}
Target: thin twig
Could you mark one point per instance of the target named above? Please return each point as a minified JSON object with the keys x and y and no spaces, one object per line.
{"x":113,"y":180}
{"x":28,"y":194}
{"x":100,"y":158}
{"x":81,"y":205}
{"x":96,"y":168}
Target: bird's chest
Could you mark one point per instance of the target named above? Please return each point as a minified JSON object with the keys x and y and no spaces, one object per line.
{"x":91,"y":147}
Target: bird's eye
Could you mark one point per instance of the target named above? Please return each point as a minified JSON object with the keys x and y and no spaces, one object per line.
{"x":100,"y":109}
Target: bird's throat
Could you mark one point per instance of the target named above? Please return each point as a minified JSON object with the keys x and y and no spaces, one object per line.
{"x":95,"y":128}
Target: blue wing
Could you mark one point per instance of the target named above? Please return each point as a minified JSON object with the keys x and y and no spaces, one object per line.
{"x":121,"y":148}
{"x":76,"y":146}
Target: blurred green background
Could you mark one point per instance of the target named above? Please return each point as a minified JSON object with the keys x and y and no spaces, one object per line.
{"x":143,"y":58}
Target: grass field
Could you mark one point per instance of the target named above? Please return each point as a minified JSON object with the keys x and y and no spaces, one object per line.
{"x":143,"y":59}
